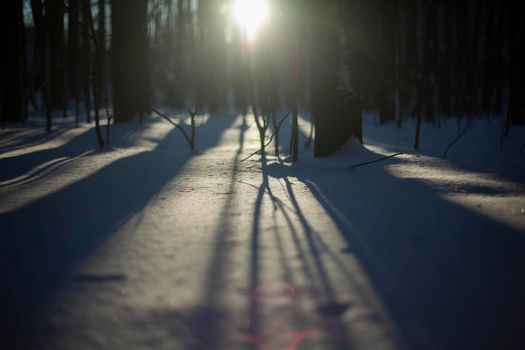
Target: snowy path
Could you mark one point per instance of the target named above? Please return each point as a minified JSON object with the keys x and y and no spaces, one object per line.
{"x":146,"y":247}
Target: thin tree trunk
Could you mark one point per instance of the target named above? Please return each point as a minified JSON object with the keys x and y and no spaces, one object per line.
{"x":96,"y":81}
{"x":73,"y":55}
{"x":86,"y":61}
{"x":418,"y":130}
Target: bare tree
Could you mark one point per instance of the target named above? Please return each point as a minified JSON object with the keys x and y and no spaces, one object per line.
{"x":12,"y":61}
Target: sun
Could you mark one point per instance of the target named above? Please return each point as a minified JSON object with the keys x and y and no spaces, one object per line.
{"x":251,"y":14}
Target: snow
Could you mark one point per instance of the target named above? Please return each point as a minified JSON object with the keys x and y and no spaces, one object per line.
{"x":148,"y":246}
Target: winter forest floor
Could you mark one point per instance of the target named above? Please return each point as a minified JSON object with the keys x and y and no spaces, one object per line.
{"x":147,"y":246}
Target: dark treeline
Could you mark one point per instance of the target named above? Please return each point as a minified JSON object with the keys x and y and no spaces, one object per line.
{"x":400,"y":58}
{"x":431,"y":59}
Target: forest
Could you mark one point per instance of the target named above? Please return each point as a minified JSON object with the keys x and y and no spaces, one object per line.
{"x":262,"y":174}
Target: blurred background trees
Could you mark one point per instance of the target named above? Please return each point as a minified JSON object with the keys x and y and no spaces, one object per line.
{"x":401,"y":59}
{"x":13,"y":62}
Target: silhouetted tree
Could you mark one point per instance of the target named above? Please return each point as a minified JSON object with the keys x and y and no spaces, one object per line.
{"x":13,"y":56}
{"x":73,"y":46}
{"x":54,"y":14}
{"x":129,"y":59}
{"x":516,"y":29}
{"x":332,"y":107}
{"x":86,"y":59}
{"x":99,"y":39}
{"x":389,"y":25}
{"x":40,"y":55}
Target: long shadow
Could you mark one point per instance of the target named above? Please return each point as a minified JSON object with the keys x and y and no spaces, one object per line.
{"x":18,"y":165}
{"x":329,"y":307}
{"x":326,"y":299}
{"x":205,"y":327}
{"x":41,"y":242}
{"x":451,"y":278}
{"x":211,"y":317}
{"x":10,"y":143}
{"x":459,"y":162}
{"x":10,"y":135}
{"x":41,"y":171}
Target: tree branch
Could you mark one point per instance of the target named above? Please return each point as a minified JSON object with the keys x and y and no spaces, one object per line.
{"x":277,"y":129}
{"x":376,"y":160}
{"x":463,"y":132}
{"x":181,"y":129}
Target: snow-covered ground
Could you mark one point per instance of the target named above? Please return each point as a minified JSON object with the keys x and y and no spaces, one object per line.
{"x":147,"y":246}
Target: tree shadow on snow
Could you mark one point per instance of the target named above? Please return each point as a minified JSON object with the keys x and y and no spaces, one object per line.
{"x":450,"y":278}
{"x":78,"y":145}
{"x":328,"y":307}
{"x":207,"y":326}
{"x":44,"y":240}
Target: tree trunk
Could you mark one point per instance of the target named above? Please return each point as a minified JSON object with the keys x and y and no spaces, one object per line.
{"x":96,"y":81}
{"x":56,"y":78}
{"x":86,"y":61}
{"x":516,"y":112}
{"x":12,"y":101}
{"x":73,"y":54}
{"x":336,"y":116}
{"x":389,"y":28}
{"x":129,"y":60}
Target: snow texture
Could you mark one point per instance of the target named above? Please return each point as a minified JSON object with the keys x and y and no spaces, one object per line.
{"x":148,"y":246}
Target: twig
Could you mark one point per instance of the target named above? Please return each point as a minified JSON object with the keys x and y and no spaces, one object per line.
{"x":271,"y":137}
{"x":186,"y":136}
{"x":463,"y":132}
{"x":251,"y":124}
{"x":375,"y":161}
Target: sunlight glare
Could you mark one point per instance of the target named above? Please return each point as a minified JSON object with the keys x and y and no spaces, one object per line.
{"x":251,"y":14}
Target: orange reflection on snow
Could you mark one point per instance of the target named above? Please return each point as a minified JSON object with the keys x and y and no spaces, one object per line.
{"x":277,"y":335}
{"x":271,"y":290}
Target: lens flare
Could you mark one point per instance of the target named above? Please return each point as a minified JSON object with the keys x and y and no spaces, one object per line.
{"x":251,"y":14}
{"x":274,"y":290}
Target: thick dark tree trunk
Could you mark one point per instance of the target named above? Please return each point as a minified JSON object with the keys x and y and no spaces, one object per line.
{"x":129,"y":59}
{"x":56,"y":79}
{"x":462,"y":54}
{"x":325,"y":62}
{"x":473,"y":60}
{"x":516,"y":113}
{"x":489,"y":78}
{"x":429,"y":59}
{"x":352,"y":118}
{"x":389,"y":28}
{"x":443,"y":76}
{"x":40,"y":43}
{"x":336,"y":115}
{"x":413,"y":60}
{"x":12,"y":58}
